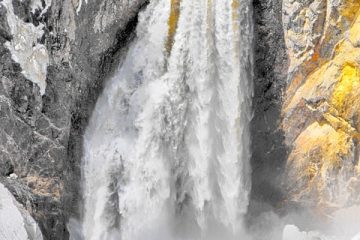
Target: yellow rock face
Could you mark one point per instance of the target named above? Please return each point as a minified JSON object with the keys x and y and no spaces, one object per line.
{"x":346,"y":90}
{"x":321,"y":114}
{"x":312,"y":31}
{"x":173,"y":21}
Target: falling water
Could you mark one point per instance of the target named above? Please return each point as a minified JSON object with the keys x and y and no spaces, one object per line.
{"x":166,"y":153}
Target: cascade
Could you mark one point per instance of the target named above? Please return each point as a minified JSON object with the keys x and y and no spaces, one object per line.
{"x":166,"y":152}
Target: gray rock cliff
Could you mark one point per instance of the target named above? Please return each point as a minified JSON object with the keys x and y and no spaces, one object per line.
{"x":46,"y":100}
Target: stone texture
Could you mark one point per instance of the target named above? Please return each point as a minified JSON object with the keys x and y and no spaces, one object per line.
{"x":41,"y":135}
{"x":321,"y":108}
{"x":269,"y":152}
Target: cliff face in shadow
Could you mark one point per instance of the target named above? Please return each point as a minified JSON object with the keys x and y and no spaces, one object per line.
{"x":269,"y":152}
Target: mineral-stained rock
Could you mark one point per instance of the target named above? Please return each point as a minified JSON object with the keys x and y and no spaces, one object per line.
{"x":41,"y":123}
{"x":321,"y":111}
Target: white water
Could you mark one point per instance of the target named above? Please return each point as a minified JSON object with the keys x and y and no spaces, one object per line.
{"x":167,"y":148}
{"x":345,"y":225}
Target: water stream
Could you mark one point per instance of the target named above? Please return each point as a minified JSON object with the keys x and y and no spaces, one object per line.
{"x":166,"y":152}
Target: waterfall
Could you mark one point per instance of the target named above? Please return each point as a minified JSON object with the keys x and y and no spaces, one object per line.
{"x":166,"y":152}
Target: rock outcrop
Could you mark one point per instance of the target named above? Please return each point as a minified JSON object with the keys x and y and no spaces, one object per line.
{"x":321,"y":108}
{"x":54,"y":57}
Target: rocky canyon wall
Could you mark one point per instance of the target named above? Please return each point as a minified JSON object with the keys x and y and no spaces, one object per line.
{"x":54,"y":57}
{"x":321,"y":105}
{"x":306,"y":106}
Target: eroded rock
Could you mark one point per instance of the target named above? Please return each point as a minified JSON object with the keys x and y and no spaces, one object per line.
{"x":321,"y":110}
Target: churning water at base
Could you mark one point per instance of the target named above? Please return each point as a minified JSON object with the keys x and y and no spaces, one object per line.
{"x":167,"y":148}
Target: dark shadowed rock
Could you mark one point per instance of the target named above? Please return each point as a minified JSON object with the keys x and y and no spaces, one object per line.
{"x":268,"y":150}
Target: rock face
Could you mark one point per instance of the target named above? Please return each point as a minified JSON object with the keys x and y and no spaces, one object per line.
{"x":268,"y":148}
{"x":321,"y":109}
{"x":54,"y":57}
